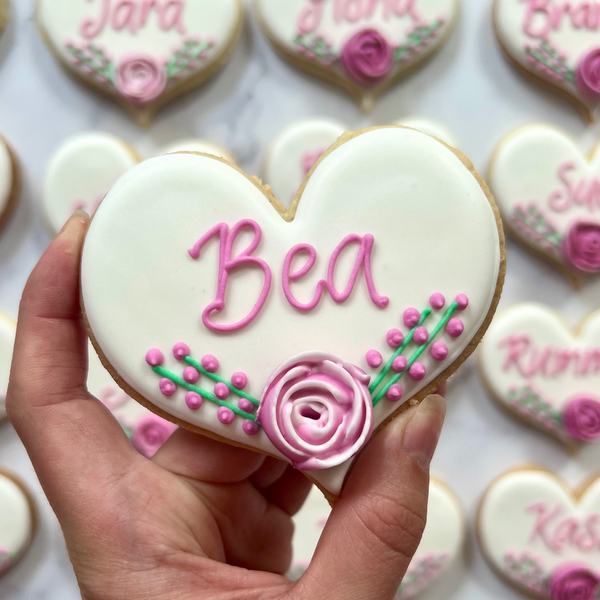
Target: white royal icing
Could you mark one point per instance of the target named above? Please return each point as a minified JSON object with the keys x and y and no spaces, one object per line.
{"x":16,"y":522}
{"x":440,"y":545}
{"x":536,"y":366}
{"x":199,"y":145}
{"x":321,"y":33}
{"x":434,"y":231}
{"x":6,"y":176}
{"x":430,"y":128}
{"x":7,"y":342}
{"x":83,"y":169}
{"x":530,"y":524}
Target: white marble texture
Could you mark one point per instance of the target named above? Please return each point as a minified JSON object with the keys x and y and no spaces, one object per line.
{"x":469,"y":88}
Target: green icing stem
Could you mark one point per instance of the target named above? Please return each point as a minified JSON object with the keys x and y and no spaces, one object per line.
{"x":400,"y":350}
{"x":451,"y":310}
{"x":194,"y":363}
{"x":211,"y":397}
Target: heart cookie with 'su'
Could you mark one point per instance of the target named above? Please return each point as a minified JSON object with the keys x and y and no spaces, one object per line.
{"x":542,"y":537}
{"x":297,"y":333}
{"x":141,"y":53}
{"x":362,"y":47}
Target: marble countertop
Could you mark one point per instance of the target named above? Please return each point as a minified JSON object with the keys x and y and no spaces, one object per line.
{"x":469,"y":87}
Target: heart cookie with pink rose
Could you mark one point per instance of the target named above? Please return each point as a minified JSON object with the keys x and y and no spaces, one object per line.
{"x":297,"y":332}
{"x":142,"y":53}
{"x":363,"y":47}
{"x":541,"y":536}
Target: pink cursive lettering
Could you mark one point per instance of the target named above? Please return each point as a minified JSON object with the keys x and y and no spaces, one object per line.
{"x":580,"y":192}
{"x":543,"y":16}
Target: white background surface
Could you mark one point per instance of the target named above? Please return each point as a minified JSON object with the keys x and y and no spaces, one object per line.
{"x":469,"y":87}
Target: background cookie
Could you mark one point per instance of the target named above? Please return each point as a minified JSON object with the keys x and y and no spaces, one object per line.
{"x":362,"y":47}
{"x":4,"y":13}
{"x":141,"y":54}
{"x":7,"y":341}
{"x":199,"y":145}
{"x":430,"y":128}
{"x":540,"y":536}
{"x":9,"y":182}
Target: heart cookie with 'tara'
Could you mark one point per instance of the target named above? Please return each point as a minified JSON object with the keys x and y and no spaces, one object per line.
{"x":142,"y":53}
{"x":556,"y":43}
{"x":549,"y":196}
{"x":363,"y":47}
{"x":542,"y":537}
{"x":535,"y":367}
{"x":296,"y":333}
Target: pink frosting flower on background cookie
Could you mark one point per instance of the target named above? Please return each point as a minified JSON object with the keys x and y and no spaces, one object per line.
{"x":140,"y":78}
{"x":581,"y":247}
{"x":574,"y":582}
{"x":367,"y":57}
{"x":151,"y":434}
{"x":587,"y":75}
{"x":582,"y":418}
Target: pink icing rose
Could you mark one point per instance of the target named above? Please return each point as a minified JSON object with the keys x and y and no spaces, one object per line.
{"x":581,"y":418}
{"x":309,"y":158}
{"x":151,"y":434}
{"x":587,"y":75}
{"x":367,"y":57}
{"x":140,"y":79}
{"x":581,"y":247}
{"x":317,"y":410}
{"x":573,"y":582}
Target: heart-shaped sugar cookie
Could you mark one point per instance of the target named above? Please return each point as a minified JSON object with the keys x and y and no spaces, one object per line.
{"x":549,"y":197}
{"x":208,"y":299}
{"x":142,"y":53}
{"x":363,"y":47}
{"x":7,"y":341}
{"x":9,"y":182}
{"x":540,"y":536}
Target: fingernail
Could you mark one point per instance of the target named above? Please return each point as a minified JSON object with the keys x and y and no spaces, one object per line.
{"x":423,"y":430}
{"x":78,"y":214}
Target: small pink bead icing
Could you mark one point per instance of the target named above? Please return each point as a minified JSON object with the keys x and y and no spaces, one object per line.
{"x":399,"y":364}
{"x":411,"y":317}
{"x":210,"y":363}
{"x":246,"y":405}
{"x":374,"y":359}
{"x":439,"y":351}
{"x":250,"y":428}
{"x":394,"y":393}
{"x":191,"y":375}
{"x":417,"y":371}
{"x":394,"y":338}
{"x":155,"y":357}
{"x":455,"y":327}
{"x":462,"y":301}
{"x":167,"y":387}
{"x":225,"y":415}
{"x":239,"y":380}
{"x":181,"y":350}
{"x":221,"y":391}
{"x":437,"y":301}
{"x":420,"y":336}
{"x":193,"y":400}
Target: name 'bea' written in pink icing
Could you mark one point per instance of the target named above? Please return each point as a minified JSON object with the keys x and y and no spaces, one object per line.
{"x":544,"y":16}
{"x":134,"y":15}
{"x":227,"y":263}
{"x":549,"y":361}
{"x":582,"y":192}
{"x":558,"y":532}
{"x":354,"y":11}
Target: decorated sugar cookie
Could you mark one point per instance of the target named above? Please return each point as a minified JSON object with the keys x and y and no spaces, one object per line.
{"x":441,"y":132}
{"x":542,"y":537}
{"x":4,"y":13}
{"x":544,"y":373}
{"x":363,"y":47}
{"x":9,"y":182}
{"x":199,"y":145}
{"x":357,"y":300}
{"x":556,"y":43}
{"x":82,"y":171}
{"x":8,"y":329}
{"x":441,"y":544}
{"x":142,"y":53}
{"x":17,"y":521}
{"x":548,"y":193}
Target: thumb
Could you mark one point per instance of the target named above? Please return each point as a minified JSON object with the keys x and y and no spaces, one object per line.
{"x":377,"y":524}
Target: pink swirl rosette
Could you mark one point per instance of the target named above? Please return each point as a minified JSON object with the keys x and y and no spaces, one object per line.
{"x":317,"y":410}
{"x":151,"y":434}
{"x":587,"y":75}
{"x":581,"y":418}
{"x":581,"y":247}
{"x":574,"y":582}
{"x":367,"y":57}
{"x":140,"y":78}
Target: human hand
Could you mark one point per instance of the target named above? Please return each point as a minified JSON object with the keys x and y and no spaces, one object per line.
{"x":202,"y":519}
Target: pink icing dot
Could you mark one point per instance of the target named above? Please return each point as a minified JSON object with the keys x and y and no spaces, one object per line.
{"x":399,"y":364}
{"x":167,"y":387}
{"x":246,"y":405}
{"x":250,"y":428}
{"x":455,"y":327}
{"x":462,"y":301}
{"x":191,"y":375}
{"x":155,"y":357}
{"x":420,"y":336}
{"x":437,"y":301}
{"x":193,"y":400}
{"x":417,"y":371}
{"x":239,"y":380}
{"x":225,"y":415}
{"x":374,"y":359}
{"x":394,"y":393}
{"x":439,"y":351}
{"x":210,"y":363}
{"x":394,"y":338}
{"x":181,"y":350}
{"x":411,"y":317}
{"x":221,"y":391}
